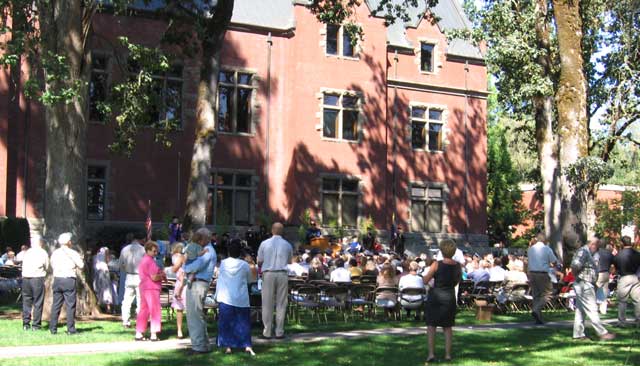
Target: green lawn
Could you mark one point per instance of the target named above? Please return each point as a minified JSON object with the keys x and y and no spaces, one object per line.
{"x":111,"y":330}
{"x":516,"y":347}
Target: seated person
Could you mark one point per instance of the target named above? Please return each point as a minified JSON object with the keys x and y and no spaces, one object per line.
{"x":515,"y":276}
{"x":354,"y":269}
{"x":316,"y":272}
{"x":295,"y":268}
{"x":411,"y":279}
{"x":481,"y":274}
{"x":387,"y":278}
{"x":497,"y":272}
{"x":340,"y":274}
{"x":354,"y":246}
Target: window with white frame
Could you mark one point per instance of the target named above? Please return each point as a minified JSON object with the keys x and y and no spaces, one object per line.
{"x":96,"y":191}
{"x":165,"y":96}
{"x":427,"y":56}
{"x":340,"y":201}
{"x":98,"y":85}
{"x":340,"y":115}
{"x":235,"y":92}
{"x":427,"y":209}
{"x":339,"y":42}
{"x":230,"y":199}
{"x":426,"y":128}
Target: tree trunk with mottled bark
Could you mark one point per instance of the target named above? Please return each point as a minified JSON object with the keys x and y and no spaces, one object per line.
{"x":206,"y":116}
{"x":571,"y":102}
{"x":65,"y":25}
{"x":547,"y":142}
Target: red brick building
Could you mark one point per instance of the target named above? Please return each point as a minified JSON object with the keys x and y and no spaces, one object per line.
{"x":393,"y":128}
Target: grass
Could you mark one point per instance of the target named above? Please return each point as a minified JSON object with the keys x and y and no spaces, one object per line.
{"x":94,"y":331}
{"x":517,"y":347}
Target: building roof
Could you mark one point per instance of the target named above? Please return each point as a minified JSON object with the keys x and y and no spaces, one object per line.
{"x":450,"y":16}
{"x":273,"y":14}
{"x":279,"y":15}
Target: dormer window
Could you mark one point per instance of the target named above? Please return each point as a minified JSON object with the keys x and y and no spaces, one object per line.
{"x":338,"y":42}
{"x":426,"y":56}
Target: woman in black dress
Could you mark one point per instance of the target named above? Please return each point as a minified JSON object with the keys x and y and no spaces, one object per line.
{"x":441,"y":303}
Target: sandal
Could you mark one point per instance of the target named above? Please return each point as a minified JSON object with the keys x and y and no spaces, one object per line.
{"x":227,"y":351}
{"x":250,"y":351}
{"x":154,"y":339}
{"x":140,"y":339}
{"x":431,"y":360}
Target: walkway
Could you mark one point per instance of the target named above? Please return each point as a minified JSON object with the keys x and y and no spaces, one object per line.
{"x":172,"y":344}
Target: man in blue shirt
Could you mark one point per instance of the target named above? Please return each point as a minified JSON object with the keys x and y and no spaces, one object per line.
{"x":203,"y":268}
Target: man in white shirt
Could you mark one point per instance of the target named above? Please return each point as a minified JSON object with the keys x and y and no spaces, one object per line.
{"x":23,"y":251}
{"x":273,"y":256}
{"x":64,"y":263}
{"x":497,"y":272}
{"x":35,"y":263}
{"x":130,"y":258}
{"x":541,"y":258}
{"x":340,"y":274}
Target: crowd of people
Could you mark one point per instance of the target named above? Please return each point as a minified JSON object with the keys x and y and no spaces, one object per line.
{"x":264,"y":263}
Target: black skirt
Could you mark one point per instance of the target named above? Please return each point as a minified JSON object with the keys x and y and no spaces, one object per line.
{"x":440,"y":309}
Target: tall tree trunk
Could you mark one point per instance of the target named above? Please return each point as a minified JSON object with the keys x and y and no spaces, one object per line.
{"x":546,"y":141}
{"x":571,"y":100}
{"x":206,"y":116}
{"x":549,"y":171}
{"x":64,"y":22}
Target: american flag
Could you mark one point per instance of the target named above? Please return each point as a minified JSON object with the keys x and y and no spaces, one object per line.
{"x":147,"y":223}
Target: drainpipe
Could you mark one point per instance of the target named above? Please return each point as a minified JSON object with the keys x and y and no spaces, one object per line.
{"x":394,"y":145}
{"x":266,"y":160}
{"x":25,"y":165}
{"x":466,"y":151}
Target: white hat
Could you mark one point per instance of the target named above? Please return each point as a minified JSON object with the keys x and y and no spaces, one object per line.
{"x":64,"y":238}
{"x":36,"y":241}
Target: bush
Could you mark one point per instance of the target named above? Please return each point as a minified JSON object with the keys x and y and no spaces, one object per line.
{"x":14,"y":231}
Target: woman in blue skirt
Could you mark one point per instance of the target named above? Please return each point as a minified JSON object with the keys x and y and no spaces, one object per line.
{"x":232,"y":295}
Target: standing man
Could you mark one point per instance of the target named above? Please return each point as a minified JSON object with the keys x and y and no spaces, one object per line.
{"x":130,"y":258}
{"x":541,"y":258}
{"x":64,"y":263}
{"x":273,"y":256}
{"x":585,"y":268}
{"x":35,"y":263}
{"x":605,"y":259}
{"x":202,"y":267}
{"x":627,"y":264}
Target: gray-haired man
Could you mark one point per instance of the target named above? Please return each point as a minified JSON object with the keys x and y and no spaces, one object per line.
{"x":585,"y":269}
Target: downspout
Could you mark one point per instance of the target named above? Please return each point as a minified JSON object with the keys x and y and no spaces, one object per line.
{"x":466,"y":152}
{"x":266,"y":160}
{"x":25,"y":165}
{"x":394,"y":145}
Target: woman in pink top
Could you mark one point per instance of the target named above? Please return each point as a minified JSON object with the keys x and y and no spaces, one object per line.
{"x":151,"y":277}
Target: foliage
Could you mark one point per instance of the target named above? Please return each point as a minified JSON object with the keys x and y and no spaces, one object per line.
{"x":613,"y":215}
{"x":265,"y":219}
{"x":587,"y":173}
{"x":14,"y":232}
{"x":625,"y":161}
{"x":337,"y":230}
{"x":343,"y":12}
{"x":503,"y":191}
{"x":135,"y":101}
{"x":305,"y":223}
{"x":367,"y":225}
